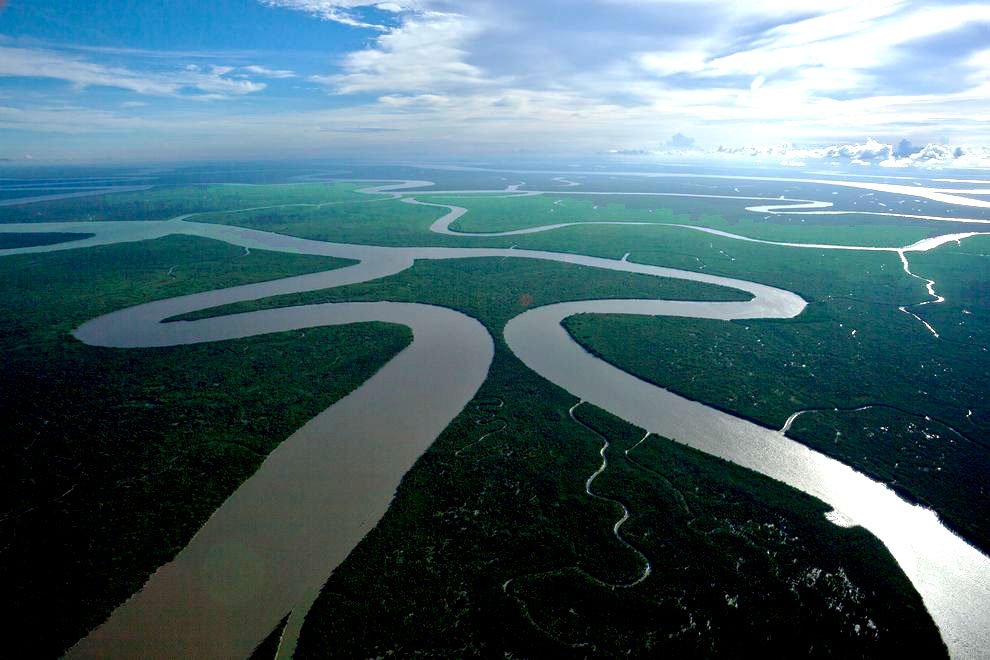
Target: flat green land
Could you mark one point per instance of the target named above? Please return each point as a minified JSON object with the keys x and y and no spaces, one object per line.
{"x":336,"y":211}
{"x":170,"y":201}
{"x":114,"y":458}
{"x":501,"y":287}
{"x":471,"y":515}
{"x":846,"y":353}
{"x":355,"y":218}
{"x":493,"y":214}
{"x":9,"y":241}
{"x":751,"y":563}
{"x":19,"y":194}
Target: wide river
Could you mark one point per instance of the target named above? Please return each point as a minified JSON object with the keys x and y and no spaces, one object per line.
{"x":265,"y":552}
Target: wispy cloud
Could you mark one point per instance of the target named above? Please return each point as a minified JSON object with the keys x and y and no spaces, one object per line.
{"x":265,"y":72}
{"x":191,"y":81}
{"x":345,"y":12}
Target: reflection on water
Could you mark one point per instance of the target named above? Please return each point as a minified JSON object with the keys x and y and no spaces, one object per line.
{"x":270,"y":546}
{"x":952,"y":577}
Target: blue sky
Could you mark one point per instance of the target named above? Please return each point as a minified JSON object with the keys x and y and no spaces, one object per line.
{"x":140,"y":80}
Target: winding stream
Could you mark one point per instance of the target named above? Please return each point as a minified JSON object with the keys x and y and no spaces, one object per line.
{"x":264,"y":553}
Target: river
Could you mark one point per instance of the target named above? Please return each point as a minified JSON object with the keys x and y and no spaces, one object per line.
{"x":263,"y":553}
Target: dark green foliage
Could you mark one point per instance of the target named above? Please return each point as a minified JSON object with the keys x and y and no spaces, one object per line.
{"x":355,"y":218}
{"x":495,"y":288}
{"x":114,"y":458}
{"x":766,"y":371}
{"x":474,"y":513}
{"x":23,"y":194}
{"x":170,"y":201}
{"x":500,"y":213}
{"x":922,"y":459}
{"x":9,"y":241}
{"x":492,"y":546}
{"x":430,"y":580}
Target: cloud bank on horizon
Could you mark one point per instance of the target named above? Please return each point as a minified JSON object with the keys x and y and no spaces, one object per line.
{"x":864,"y":154}
{"x":244,"y":78}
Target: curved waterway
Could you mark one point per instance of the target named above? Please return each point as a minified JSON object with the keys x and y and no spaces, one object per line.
{"x":264,"y":553}
{"x":267,"y":550}
{"x":51,"y":197}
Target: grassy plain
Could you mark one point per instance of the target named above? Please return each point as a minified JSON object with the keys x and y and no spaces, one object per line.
{"x":114,"y":458}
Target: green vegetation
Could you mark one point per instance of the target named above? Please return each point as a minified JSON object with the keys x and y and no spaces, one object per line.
{"x":491,"y":214}
{"x":444,"y":564}
{"x":738,"y":561}
{"x":10,"y":241}
{"x":170,"y":201}
{"x":846,"y":353}
{"x":500,"y":287}
{"x":924,"y":460}
{"x":335,"y":211}
{"x":435,"y":567}
{"x":812,"y":273}
{"x":21,"y":194}
{"x":114,"y":458}
{"x":363,"y":219}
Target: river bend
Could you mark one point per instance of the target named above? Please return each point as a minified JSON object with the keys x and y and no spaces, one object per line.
{"x":263,"y":553}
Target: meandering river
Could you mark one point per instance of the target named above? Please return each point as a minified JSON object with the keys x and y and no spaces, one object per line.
{"x":266,"y":552}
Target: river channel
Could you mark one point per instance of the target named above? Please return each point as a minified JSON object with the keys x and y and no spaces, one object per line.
{"x":266,"y":551}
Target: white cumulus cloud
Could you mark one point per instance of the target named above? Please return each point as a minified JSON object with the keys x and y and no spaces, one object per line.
{"x":426,"y":54}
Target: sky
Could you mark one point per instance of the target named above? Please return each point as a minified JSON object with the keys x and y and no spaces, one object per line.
{"x":133,"y":80}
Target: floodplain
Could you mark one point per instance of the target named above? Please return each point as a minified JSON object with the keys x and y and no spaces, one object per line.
{"x":533,"y":507}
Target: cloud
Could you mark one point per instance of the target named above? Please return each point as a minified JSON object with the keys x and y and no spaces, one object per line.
{"x":426,"y":54}
{"x":345,"y":12}
{"x":576,"y":78}
{"x":415,"y":101}
{"x":680,"y":141}
{"x":358,"y":129}
{"x":787,"y":69}
{"x":192,"y":81}
{"x":870,"y":153}
{"x":265,"y":72}
{"x":69,"y":120}
{"x":630,"y":152}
